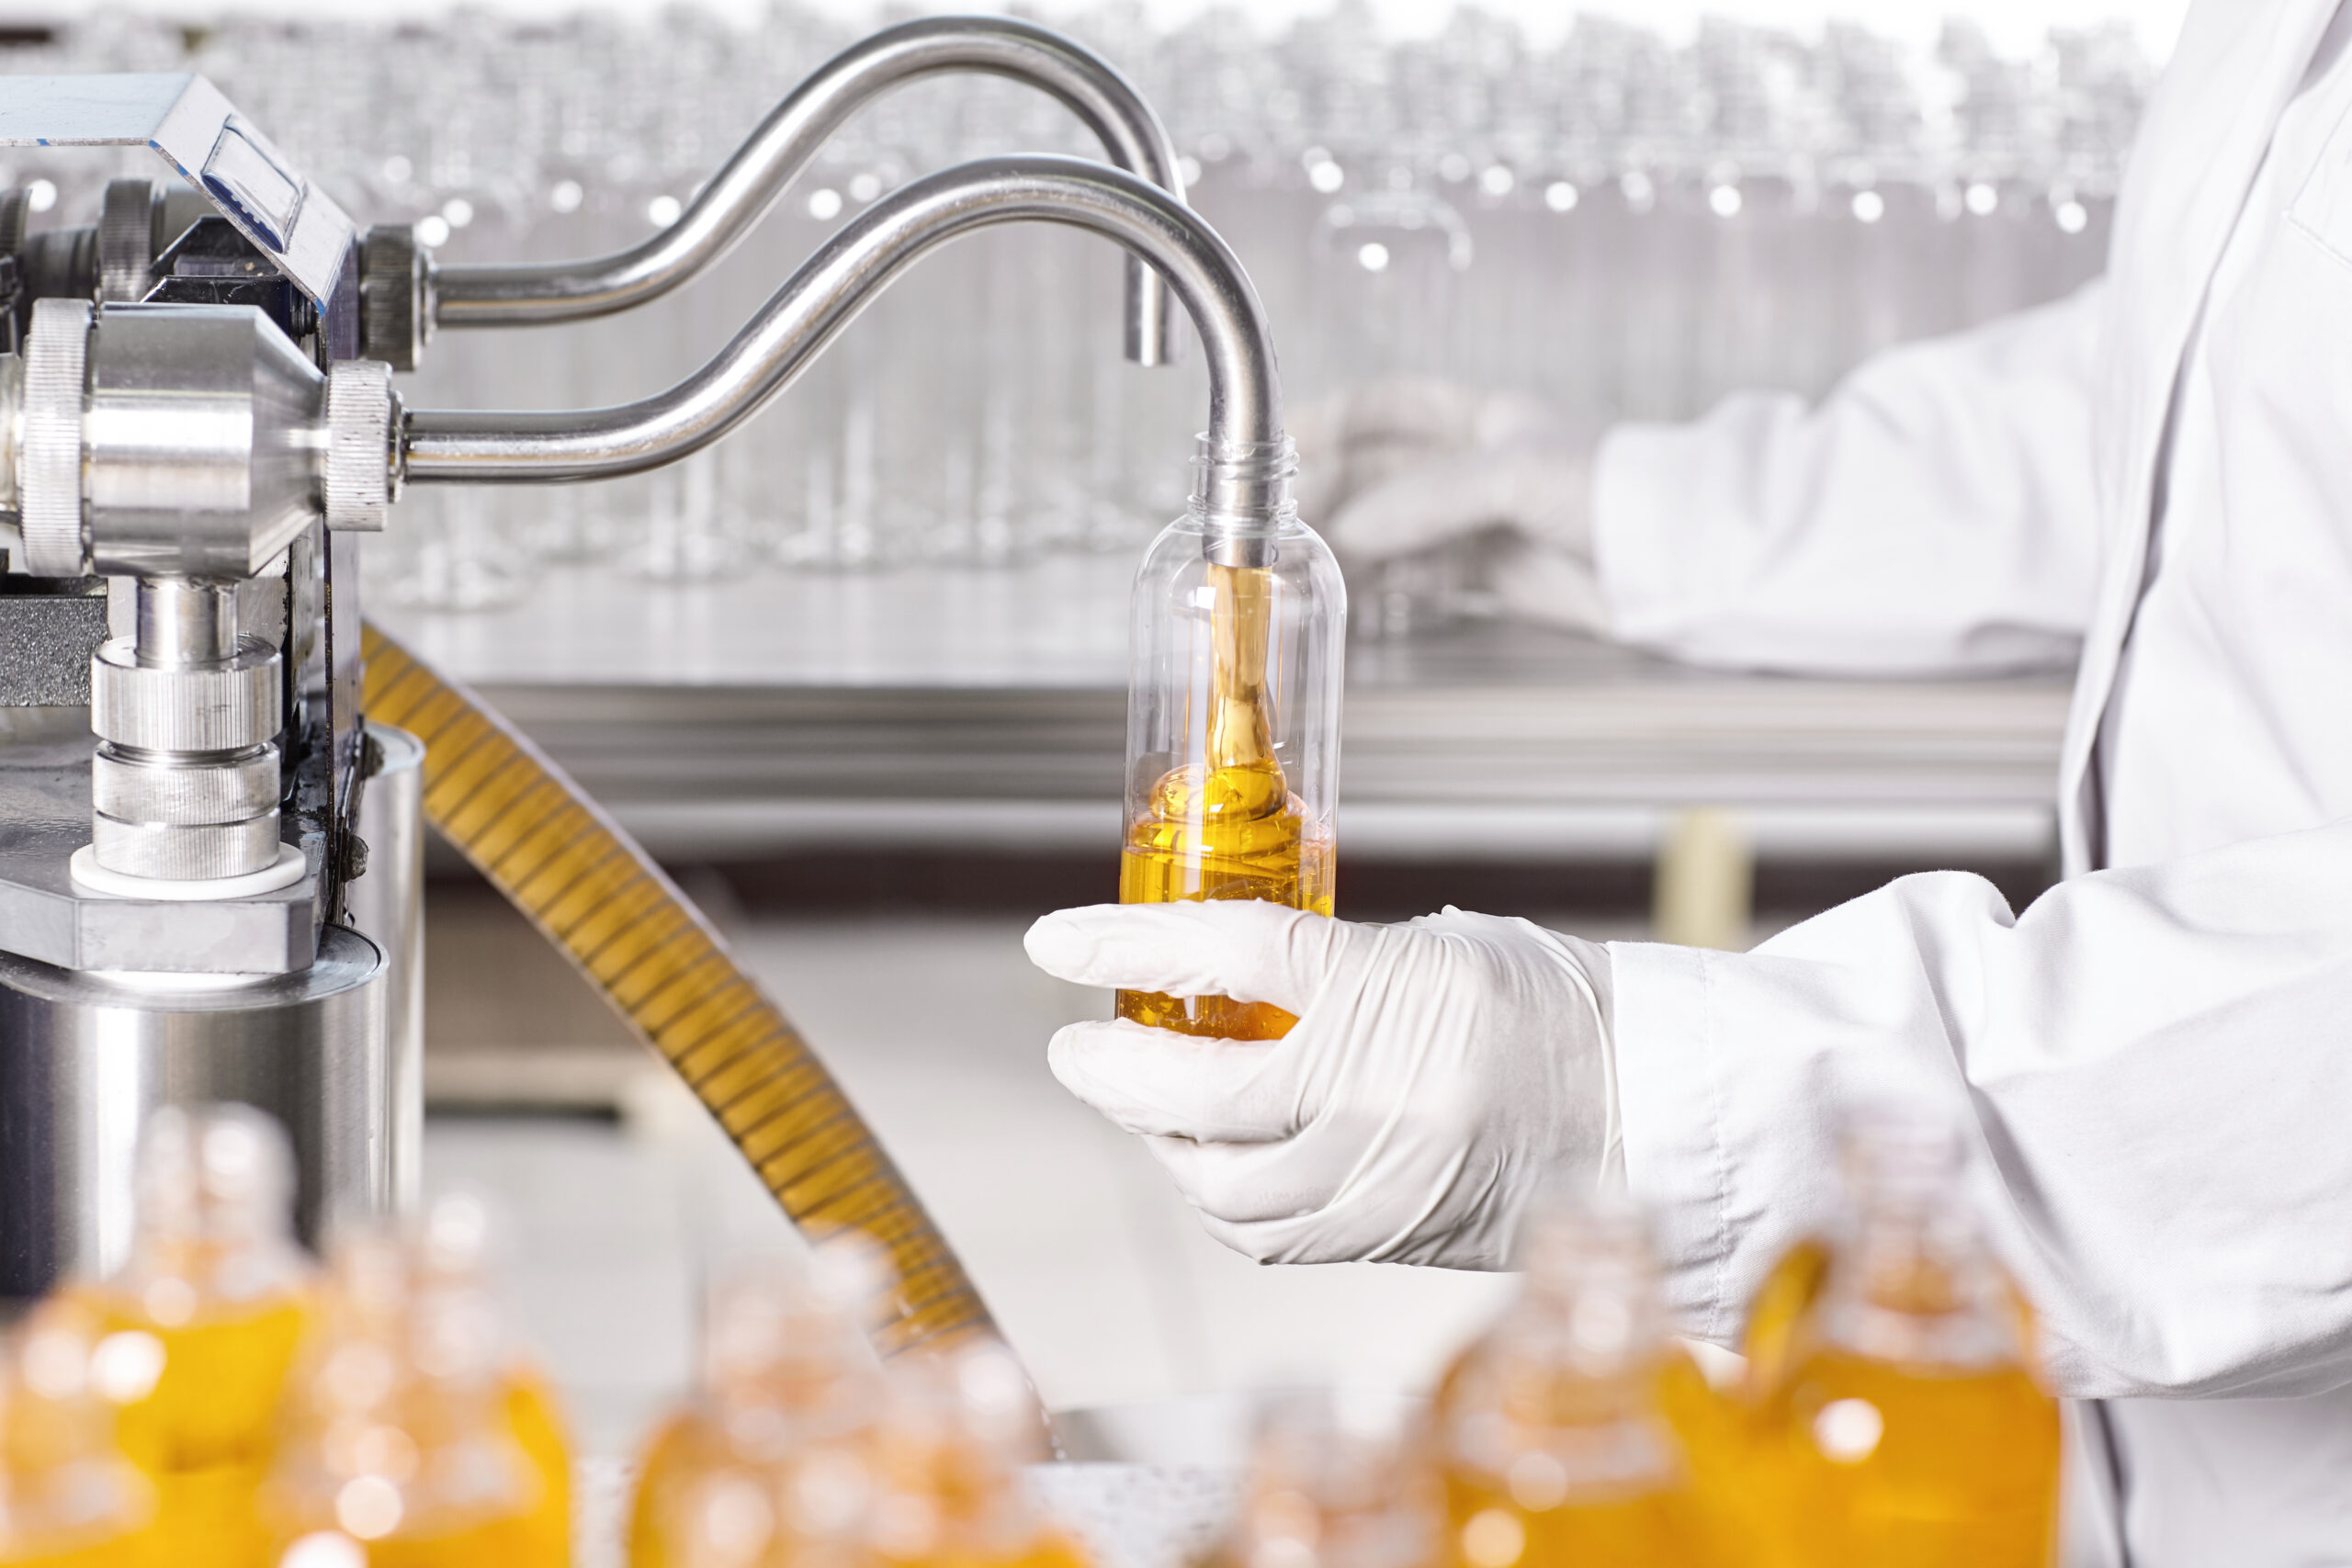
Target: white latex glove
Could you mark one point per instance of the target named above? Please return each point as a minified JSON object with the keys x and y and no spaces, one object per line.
{"x":1405,"y":465}
{"x":1441,"y":1072}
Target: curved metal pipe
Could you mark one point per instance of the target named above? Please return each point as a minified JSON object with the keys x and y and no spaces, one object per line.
{"x":1241,"y":498}
{"x":739,"y":195}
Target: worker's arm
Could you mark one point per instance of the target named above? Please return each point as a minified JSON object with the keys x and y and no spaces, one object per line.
{"x":1935,"y":513}
{"x":2156,"y":1063}
{"x":2155,"y":1067}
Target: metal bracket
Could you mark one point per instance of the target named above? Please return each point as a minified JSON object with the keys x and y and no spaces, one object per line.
{"x":195,"y":129}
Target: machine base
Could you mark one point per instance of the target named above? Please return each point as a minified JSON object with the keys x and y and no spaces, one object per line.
{"x":84,"y":1059}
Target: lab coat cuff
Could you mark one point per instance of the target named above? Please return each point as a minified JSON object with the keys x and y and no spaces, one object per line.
{"x":1670,"y":1097}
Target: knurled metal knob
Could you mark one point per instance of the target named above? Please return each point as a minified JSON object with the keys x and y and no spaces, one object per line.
{"x":170,"y":852}
{"x":395,"y":289}
{"x":226,"y":707}
{"x":125,"y":240}
{"x":362,"y":411}
{"x":185,"y":791}
{"x":49,"y":459}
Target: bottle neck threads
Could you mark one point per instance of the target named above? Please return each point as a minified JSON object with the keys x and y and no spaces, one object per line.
{"x":1241,"y":497}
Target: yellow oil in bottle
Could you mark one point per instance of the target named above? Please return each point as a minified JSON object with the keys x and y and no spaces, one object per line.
{"x":771,"y":1460}
{"x":203,"y":1434}
{"x":68,"y":1498}
{"x":948,"y":1458}
{"x":1896,"y":1417}
{"x":1929,"y":1467}
{"x":1227,"y":827}
{"x":403,"y":1465}
{"x":217,"y":1292}
{"x":411,"y":1434}
{"x":1575,"y":1431}
{"x":1499,"y":1528}
{"x":1547,"y":1466}
{"x":1780,"y":1317}
{"x":537,"y":1430}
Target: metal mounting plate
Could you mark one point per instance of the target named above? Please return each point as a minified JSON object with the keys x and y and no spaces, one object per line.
{"x":188,"y":120}
{"x":45,"y":816}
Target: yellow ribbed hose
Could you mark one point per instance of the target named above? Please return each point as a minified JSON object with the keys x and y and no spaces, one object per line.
{"x":601,"y":900}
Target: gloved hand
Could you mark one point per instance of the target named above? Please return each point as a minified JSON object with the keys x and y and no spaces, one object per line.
{"x":1440,"y":1073}
{"x":1405,"y":465}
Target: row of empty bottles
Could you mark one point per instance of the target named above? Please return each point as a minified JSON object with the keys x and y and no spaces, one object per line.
{"x":1625,"y":225}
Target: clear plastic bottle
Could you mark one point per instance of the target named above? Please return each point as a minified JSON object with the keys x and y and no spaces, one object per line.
{"x":771,"y":1461}
{"x":451,"y":1253}
{"x":1233,"y":726}
{"x":398,"y":1446}
{"x":1575,"y":1431}
{"x":1336,"y":1481}
{"x":68,"y":1498}
{"x":1905,"y":1424}
{"x":956,"y":1430}
{"x":220,"y":1291}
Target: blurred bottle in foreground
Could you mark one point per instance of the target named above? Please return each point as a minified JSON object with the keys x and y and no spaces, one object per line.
{"x":213,"y":1299}
{"x":770,"y":1464}
{"x":411,"y":1435}
{"x":68,"y":1498}
{"x":1575,"y":1430}
{"x":957,"y":1430}
{"x":1336,"y":1481}
{"x":1897,"y":1416}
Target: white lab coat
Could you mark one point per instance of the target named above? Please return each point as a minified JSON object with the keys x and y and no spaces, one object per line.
{"x":2157,"y":1055}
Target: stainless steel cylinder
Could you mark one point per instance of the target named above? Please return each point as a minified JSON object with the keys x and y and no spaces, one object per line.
{"x":387,"y":905}
{"x":86,"y":1058}
{"x":182,"y":621}
{"x":200,"y":454}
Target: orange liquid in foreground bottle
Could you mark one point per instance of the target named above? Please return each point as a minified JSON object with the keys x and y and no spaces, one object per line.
{"x":411,"y":1436}
{"x":216,"y":1295}
{"x":1574,"y":1434}
{"x":1897,"y":1418}
{"x":68,"y":1498}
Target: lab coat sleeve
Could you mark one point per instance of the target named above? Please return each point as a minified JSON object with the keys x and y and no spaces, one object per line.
{"x":2155,"y":1064}
{"x":1935,"y":514}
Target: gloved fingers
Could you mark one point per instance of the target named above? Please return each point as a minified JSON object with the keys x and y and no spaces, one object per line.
{"x":1419,"y":410}
{"x":1422,"y":505}
{"x":1242,"y":948}
{"x":1164,"y":1085}
{"x":1546,"y":489}
{"x":1550,"y":587}
{"x":1244,"y":1184}
{"x":1529,"y":488}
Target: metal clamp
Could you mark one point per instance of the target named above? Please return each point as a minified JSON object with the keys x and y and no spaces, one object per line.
{"x":57,"y":353}
{"x":362,"y":412}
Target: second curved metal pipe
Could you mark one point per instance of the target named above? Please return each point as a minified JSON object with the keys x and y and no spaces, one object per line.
{"x":739,"y":195}
{"x":813,"y":306}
